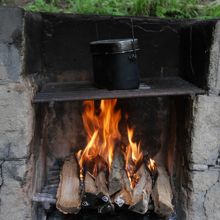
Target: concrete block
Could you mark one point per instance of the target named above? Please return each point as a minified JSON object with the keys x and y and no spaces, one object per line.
{"x":206,"y":130}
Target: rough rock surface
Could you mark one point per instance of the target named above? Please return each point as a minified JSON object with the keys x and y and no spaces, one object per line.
{"x":13,"y":205}
{"x":204,"y":188}
{"x":16,"y":118}
{"x":201,"y":190}
{"x":212,"y":203}
{"x":11,"y":30}
{"x":203,"y":181}
{"x":206,"y":130}
{"x":214,"y":67}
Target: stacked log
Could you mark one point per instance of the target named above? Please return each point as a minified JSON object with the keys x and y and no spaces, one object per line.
{"x":102,"y":190}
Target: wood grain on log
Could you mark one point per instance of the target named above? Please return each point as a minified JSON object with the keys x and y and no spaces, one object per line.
{"x":89,"y":183}
{"x":142,"y":191}
{"x":124,"y":196}
{"x":162,"y":194}
{"x":116,"y":172}
{"x":101,"y":183}
{"x":68,"y":193}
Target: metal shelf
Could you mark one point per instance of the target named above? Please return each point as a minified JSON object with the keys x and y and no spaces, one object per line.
{"x":83,"y":90}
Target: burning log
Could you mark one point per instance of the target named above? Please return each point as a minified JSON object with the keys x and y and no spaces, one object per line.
{"x":68,"y":193}
{"x":124,"y":196}
{"x":142,"y":191}
{"x":101,"y":183}
{"x":95,"y":186}
{"x":104,"y":204}
{"x":89,"y":183}
{"x":162,"y":194}
{"x":119,"y":185}
{"x":116,"y":172}
{"x":90,"y":190}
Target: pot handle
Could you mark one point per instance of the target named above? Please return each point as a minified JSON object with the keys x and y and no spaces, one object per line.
{"x":132,"y":57}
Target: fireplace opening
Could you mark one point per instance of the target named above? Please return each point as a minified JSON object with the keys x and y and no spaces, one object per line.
{"x":76,"y":150}
{"x":110,"y":158}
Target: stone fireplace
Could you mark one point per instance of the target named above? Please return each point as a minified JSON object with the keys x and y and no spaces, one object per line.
{"x":177,"y":121}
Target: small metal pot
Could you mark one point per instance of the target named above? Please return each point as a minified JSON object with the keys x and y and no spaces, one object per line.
{"x":115,"y":63}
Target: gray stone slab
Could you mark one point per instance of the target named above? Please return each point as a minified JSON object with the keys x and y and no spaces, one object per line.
{"x":212,"y":203}
{"x":11,"y":25}
{"x":16,"y":120}
{"x":203,"y":181}
{"x":206,"y":130}
{"x":11,"y":61}
{"x":196,"y":209}
{"x":14,"y":204}
{"x":214,"y":67}
{"x":198,"y":167}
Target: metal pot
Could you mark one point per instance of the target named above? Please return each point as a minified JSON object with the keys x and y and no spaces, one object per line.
{"x":115,"y":63}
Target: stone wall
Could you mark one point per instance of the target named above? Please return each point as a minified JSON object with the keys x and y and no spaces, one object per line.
{"x":202,"y":188}
{"x":204,"y":203}
{"x":16,"y":118}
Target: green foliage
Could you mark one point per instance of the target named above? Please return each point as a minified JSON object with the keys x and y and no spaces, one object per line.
{"x":155,"y":8}
{"x":168,"y":8}
{"x":212,"y":10}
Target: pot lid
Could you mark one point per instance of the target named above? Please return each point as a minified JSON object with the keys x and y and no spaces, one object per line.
{"x":114,"y":46}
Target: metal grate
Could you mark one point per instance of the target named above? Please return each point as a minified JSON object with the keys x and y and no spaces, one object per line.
{"x":81,"y":90}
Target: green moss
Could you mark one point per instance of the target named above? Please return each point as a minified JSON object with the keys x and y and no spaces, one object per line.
{"x":155,"y":8}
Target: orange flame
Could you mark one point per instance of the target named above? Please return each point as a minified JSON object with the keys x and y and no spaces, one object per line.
{"x":102,"y":128}
{"x":102,"y":131}
{"x":152,"y":166}
{"x":133,"y":156}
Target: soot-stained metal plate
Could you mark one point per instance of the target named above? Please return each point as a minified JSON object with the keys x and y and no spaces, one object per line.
{"x":81,"y":90}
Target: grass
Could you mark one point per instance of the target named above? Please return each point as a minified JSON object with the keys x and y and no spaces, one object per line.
{"x":156,"y":8}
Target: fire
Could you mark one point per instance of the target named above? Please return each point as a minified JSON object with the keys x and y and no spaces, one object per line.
{"x":102,"y":127}
{"x":102,"y":131}
{"x":133,"y":156}
{"x":152,"y":166}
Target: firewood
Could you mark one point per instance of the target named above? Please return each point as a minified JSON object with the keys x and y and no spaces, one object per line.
{"x":142,"y":191}
{"x":162,"y":194}
{"x":116,"y":172}
{"x":89,"y":183}
{"x":101,"y":183}
{"x":124,"y":196}
{"x":68,"y":193}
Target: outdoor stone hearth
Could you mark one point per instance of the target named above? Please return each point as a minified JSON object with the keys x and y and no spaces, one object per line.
{"x":26,"y":63}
